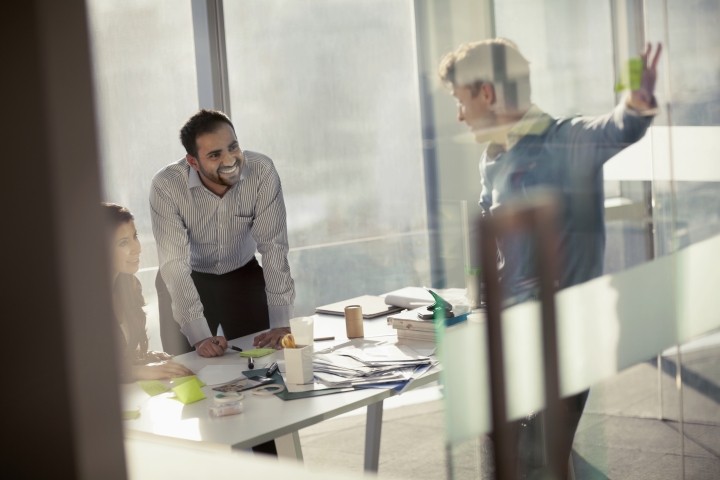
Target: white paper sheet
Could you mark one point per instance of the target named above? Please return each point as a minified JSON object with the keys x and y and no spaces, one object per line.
{"x":217,"y":374}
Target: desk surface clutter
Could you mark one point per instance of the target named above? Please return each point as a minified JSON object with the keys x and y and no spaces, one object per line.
{"x":348,"y":374}
{"x":371,"y":363}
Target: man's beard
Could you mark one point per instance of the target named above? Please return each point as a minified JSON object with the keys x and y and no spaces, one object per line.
{"x":222,"y":172}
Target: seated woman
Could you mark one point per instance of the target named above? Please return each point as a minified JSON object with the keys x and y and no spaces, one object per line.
{"x":138,"y":362}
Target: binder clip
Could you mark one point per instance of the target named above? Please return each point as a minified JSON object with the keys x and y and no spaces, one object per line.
{"x":440,"y":309}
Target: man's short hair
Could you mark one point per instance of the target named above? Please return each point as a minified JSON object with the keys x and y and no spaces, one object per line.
{"x":497,"y":61}
{"x":205,"y":121}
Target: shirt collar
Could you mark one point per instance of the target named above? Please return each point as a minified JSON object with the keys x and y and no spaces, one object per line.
{"x":193,"y":178}
{"x":534,"y":122}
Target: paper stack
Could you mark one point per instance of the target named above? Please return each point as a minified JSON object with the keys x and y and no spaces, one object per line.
{"x":368,"y":363}
{"x":410,"y":327}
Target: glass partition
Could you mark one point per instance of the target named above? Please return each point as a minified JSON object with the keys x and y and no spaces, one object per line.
{"x":686,"y":190}
{"x":383,"y":184}
{"x":648,"y":412}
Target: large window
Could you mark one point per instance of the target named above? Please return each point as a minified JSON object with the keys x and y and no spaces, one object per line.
{"x":328,"y":89}
{"x":146,"y":87}
{"x":381,"y":181}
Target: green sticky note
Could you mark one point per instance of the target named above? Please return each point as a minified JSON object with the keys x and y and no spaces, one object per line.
{"x":631,"y":75}
{"x":153,"y":387}
{"x":189,"y":391}
{"x":131,"y":414}
{"x":180,"y":380}
{"x":635,"y":73}
{"x":257,"y":352}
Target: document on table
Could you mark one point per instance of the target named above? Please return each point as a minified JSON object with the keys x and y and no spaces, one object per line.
{"x":219,"y":374}
{"x":367,"y":362}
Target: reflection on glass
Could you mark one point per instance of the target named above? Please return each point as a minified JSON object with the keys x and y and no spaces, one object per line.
{"x":527,"y":151}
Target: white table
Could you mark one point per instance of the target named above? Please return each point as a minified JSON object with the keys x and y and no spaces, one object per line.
{"x":153,"y":458}
{"x":267,"y":417}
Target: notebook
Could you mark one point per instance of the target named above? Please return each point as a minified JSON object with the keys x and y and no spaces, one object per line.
{"x":372,"y":306}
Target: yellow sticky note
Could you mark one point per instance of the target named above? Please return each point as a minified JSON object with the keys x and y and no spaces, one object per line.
{"x":631,"y":75}
{"x":153,"y":387}
{"x":635,"y":73}
{"x":189,"y":391}
{"x":257,"y":352}
{"x":180,"y":380}
{"x":131,"y":414}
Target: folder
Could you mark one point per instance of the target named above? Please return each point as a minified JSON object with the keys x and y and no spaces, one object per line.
{"x":372,"y":306}
{"x":285,"y":395}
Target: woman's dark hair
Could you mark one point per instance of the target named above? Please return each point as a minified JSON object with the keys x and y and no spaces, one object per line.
{"x":128,"y":300}
{"x":115,"y":215}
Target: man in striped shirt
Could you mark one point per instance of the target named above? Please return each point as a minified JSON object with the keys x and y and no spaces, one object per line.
{"x":211,"y":212}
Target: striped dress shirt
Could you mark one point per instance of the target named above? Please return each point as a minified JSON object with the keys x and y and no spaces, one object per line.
{"x":197,"y":230}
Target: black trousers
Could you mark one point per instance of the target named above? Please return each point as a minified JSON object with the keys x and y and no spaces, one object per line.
{"x":236,"y":300}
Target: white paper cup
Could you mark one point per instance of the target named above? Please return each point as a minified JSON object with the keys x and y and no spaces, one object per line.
{"x":298,"y":365}
{"x":302,"y":330}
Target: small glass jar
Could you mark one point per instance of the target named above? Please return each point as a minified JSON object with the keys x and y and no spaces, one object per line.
{"x":226,"y":404}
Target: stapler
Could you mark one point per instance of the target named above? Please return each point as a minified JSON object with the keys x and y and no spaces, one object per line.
{"x":441,"y":308}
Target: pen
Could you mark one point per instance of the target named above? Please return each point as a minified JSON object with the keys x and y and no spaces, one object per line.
{"x":322,"y":339}
{"x":237,"y":349}
{"x":271,"y":369}
{"x":251,"y":364}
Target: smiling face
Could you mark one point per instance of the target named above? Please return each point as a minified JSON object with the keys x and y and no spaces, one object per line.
{"x":219,"y":160}
{"x":126,"y":249}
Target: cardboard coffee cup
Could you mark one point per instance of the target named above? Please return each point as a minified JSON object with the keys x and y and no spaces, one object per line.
{"x":354,"y":321}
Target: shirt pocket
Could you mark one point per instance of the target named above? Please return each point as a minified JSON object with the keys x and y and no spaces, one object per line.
{"x":240,"y":226}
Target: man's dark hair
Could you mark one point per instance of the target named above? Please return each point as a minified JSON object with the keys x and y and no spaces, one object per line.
{"x":205,"y":121}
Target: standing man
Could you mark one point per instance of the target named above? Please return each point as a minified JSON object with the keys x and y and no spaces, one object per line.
{"x":211,"y":212}
{"x":525,"y":148}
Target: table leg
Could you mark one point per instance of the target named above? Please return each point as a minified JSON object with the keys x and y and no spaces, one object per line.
{"x":373,"y":429}
{"x":288,"y":446}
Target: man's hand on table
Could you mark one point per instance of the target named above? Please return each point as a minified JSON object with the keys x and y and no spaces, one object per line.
{"x":271,"y":338}
{"x":211,"y":347}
